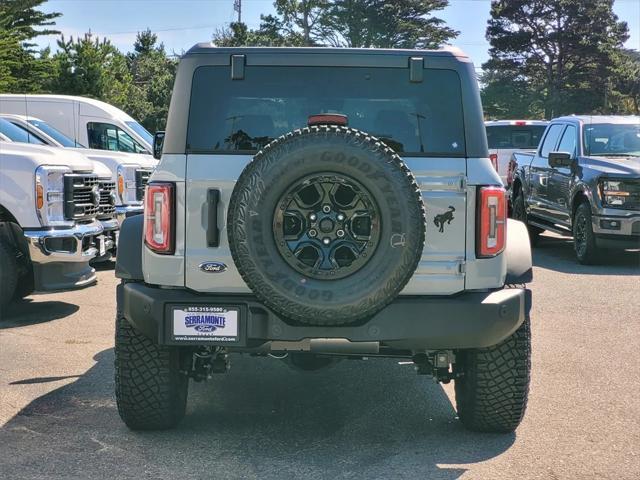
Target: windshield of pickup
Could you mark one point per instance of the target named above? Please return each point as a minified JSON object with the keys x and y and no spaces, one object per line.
{"x":514,"y":136}
{"x":612,"y":139}
{"x":57,"y":135}
{"x":242,"y":116}
{"x":17,"y":134}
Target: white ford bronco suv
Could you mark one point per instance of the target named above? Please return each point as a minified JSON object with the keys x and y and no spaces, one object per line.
{"x":319,"y":204}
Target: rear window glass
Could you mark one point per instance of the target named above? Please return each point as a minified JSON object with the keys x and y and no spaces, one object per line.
{"x":508,"y":136}
{"x":244,"y":115}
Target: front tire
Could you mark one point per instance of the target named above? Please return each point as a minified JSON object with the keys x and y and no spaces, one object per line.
{"x":584,"y":241}
{"x":8,"y":274}
{"x":491,"y":394}
{"x":151,"y":392}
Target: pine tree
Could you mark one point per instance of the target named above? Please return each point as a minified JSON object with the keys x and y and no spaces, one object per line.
{"x":22,"y":68}
{"x":560,"y":52}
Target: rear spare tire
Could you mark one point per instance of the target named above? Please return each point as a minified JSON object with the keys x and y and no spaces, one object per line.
{"x":326,"y":225}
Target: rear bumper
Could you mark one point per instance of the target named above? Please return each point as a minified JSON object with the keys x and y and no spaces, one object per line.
{"x":60,"y":258}
{"x":469,"y":320}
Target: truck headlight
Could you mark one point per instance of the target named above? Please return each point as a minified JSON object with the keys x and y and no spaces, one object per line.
{"x":49,"y":195}
{"x":126,"y":185}
{"x":615,"y":193}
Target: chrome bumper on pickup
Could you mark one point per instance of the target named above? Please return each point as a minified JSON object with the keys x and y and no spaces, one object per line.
{"x":61,"y":257}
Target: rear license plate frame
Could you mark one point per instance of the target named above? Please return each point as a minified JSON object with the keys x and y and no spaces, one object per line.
{"x":213,"y":311}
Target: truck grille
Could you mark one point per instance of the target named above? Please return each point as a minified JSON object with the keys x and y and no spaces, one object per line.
{"x":107,"y":207}
{"x":81,"y":197}
{"x":142,"y":178}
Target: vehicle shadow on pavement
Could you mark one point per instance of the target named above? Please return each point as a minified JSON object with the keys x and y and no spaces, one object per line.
{"x":27,"y":312}
{"x":261,"y":420}
{"x":556,"y":253}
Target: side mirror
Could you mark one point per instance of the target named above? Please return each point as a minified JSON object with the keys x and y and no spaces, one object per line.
{"x":560,"y":159}
{"x":158,"y":142}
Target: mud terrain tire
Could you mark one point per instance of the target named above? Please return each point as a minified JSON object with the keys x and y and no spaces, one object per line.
{"x":334,"y":152}
{"x":151,"y":392}
{"x":491,"y":394}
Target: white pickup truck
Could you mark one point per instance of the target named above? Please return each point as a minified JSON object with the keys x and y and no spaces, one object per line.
{"x":49,"y":201}
{"x":129,"y":171}
{"x":507,"y":136}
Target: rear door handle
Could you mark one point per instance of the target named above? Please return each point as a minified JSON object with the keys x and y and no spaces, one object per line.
{"x":213,"y":232}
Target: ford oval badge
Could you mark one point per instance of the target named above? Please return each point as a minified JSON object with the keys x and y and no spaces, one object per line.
{"x":213,"y":267}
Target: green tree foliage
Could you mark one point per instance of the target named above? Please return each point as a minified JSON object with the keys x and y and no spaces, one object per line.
{"x":626,"y":84}
{"x":21,"y":67}
{"x":270,"y":33}
{"x":304,"y":17}
{"x":560,"y":53}
{"x":153,"y":73}
{"x":384,"y":24}
{"x":92,"y":67}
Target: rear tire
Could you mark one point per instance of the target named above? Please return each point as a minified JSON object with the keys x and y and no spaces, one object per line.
{"x":520,"y":213}
{"x":491,"y":394}
{"x":8,"y":274}
{"x":151,"y":392}
{"x":584,"y":241}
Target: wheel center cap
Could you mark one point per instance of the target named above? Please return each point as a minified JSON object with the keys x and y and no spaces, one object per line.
{"x":326,"y":225}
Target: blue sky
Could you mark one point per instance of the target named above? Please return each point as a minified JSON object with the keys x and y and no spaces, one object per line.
{"x":182,"y":23}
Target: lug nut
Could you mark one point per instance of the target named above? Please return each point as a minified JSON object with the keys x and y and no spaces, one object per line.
{"x":326,"y":208}
{"x":312,"y":217}
{"x":313,"y":233}
{"x":340,"y":233}
{"x":340,"y":217}
{"x":326,"y":241}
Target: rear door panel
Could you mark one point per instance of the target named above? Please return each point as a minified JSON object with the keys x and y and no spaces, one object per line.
{"x":441,"y":181}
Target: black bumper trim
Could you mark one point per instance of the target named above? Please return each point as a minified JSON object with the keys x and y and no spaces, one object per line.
{"x":468,"y":320}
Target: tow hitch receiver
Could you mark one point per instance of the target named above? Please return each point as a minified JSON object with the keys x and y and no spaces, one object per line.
{"x":439,"y":364}
{"x":206,"y":361}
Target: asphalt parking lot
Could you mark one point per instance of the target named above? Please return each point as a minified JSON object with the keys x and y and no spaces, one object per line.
{"x":373,"y":419}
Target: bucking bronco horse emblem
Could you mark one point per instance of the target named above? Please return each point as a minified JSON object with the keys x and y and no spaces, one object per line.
{"x":446,"y":217}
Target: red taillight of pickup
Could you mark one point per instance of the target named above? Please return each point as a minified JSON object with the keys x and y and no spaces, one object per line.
{"x":491,"y":222}
{"x":494,"y":160}
{"x":159,"y":218}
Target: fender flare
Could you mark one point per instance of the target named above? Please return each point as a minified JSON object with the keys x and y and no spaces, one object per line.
{"x":518,"y":253}
{"x":129,"y":256}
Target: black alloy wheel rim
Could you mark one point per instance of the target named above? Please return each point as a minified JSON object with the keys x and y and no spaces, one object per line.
{"x":580,"y":235}
{"x":326,"y":226}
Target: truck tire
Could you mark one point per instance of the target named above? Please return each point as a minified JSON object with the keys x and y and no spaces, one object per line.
{"x":492,"y":391}
{"x":8,"y":274}
{"x":520,"y":213}
{"x":25,"y":286}
{"x":151,"y":391}
{"x":326,"y":225}
{"x":584,"y":241}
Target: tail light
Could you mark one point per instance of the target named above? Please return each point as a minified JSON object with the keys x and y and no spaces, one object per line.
{"x":492,"y":222}
{"x":494,"y":160}
{"x":159,"y":218}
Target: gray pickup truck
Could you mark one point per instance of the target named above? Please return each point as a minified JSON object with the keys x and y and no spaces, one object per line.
{"x":314,"y":205}
{"x":584,"y":180}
